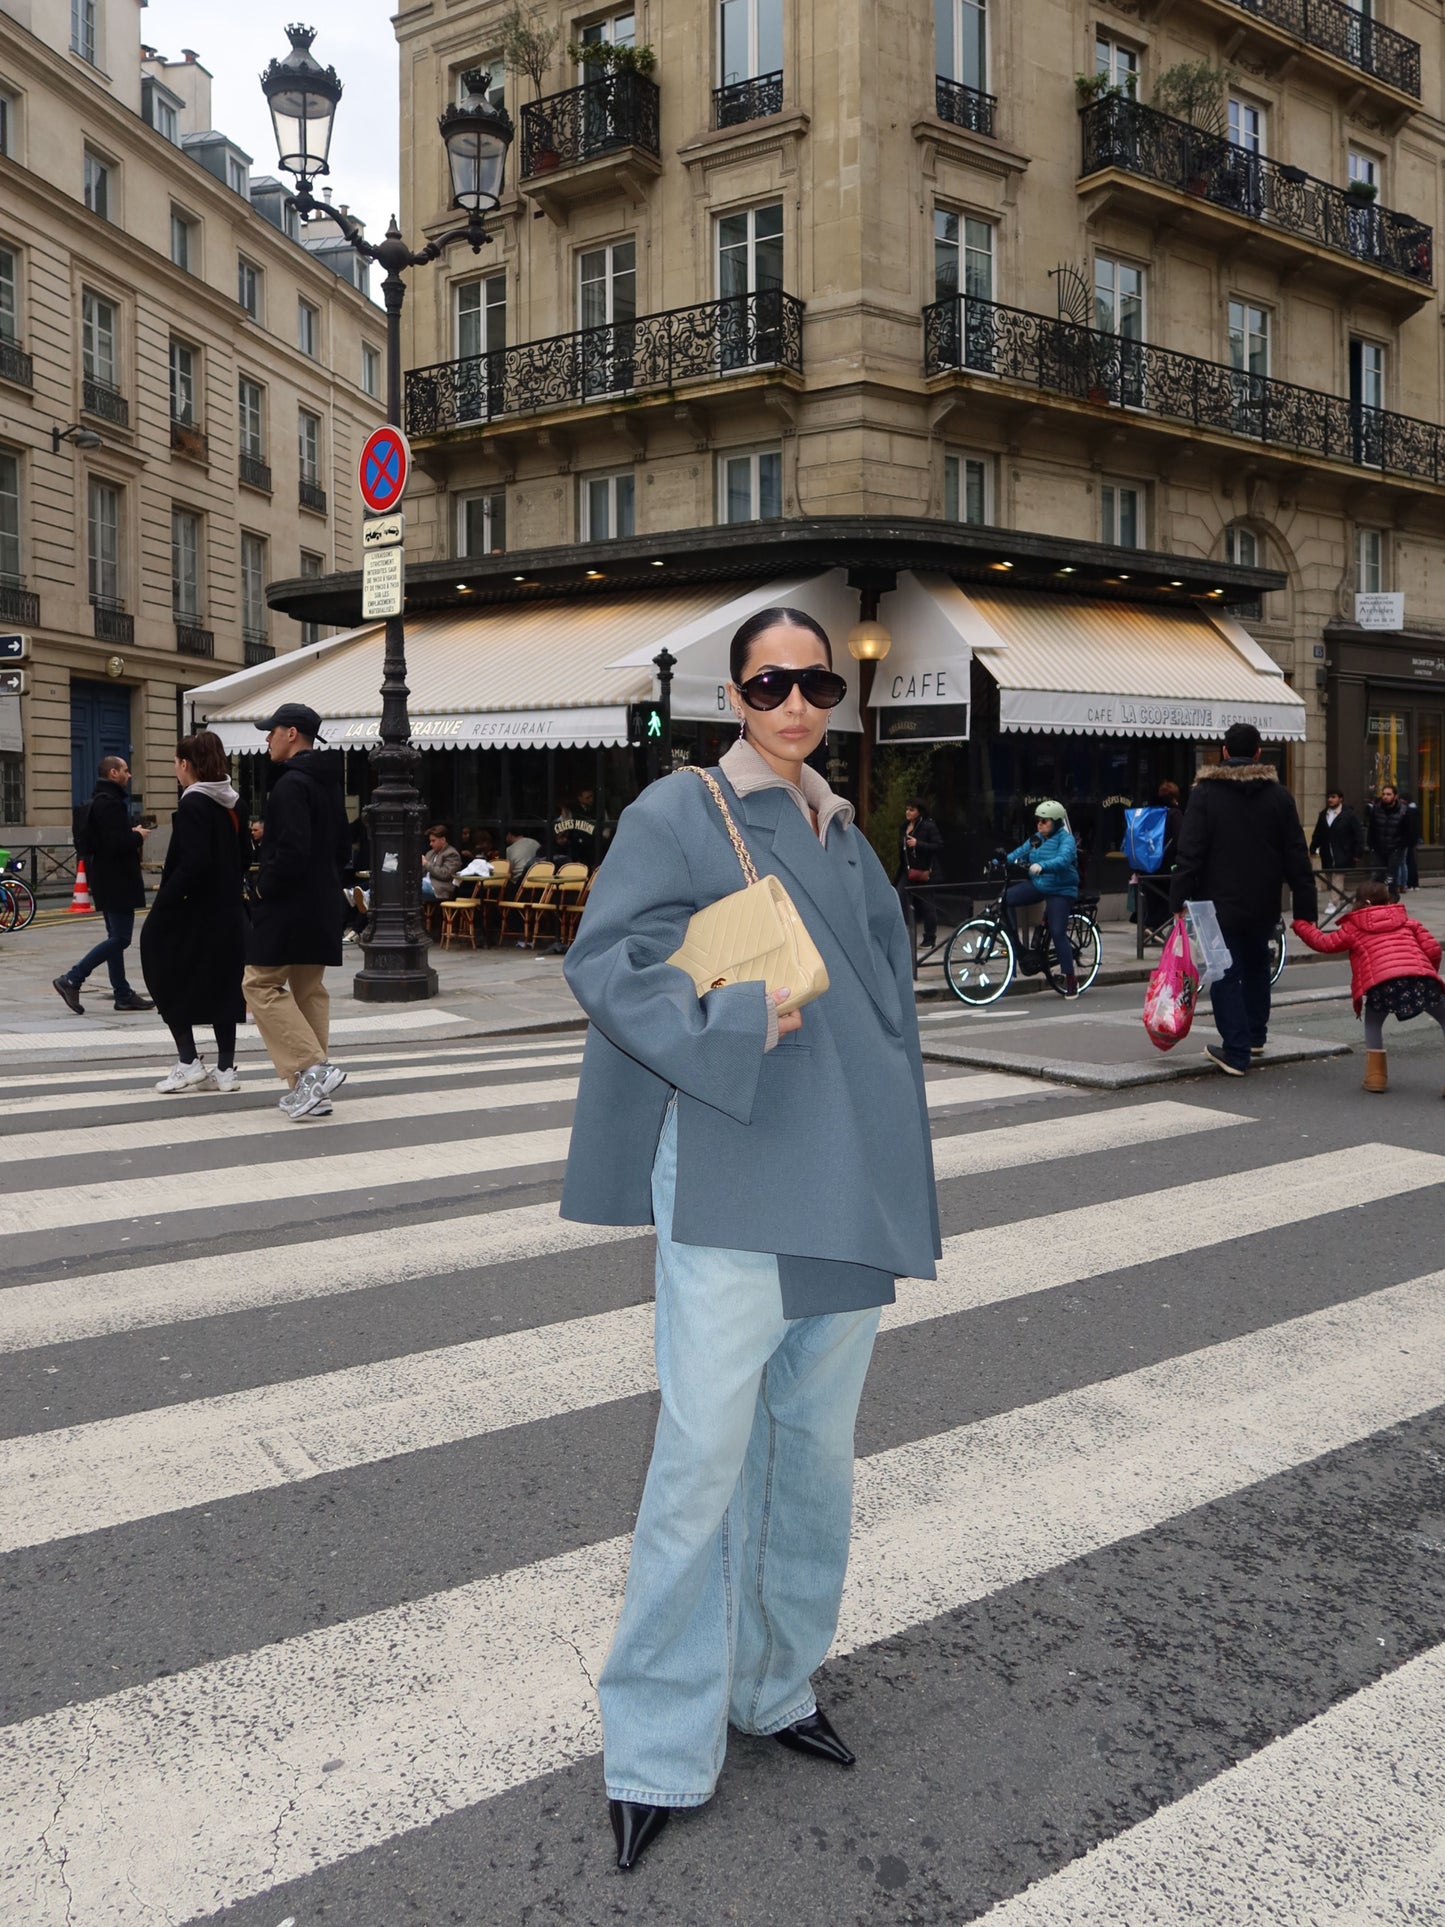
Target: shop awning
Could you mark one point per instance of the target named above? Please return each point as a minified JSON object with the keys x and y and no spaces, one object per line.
{"x":536,"y":675}
{"x":1127,"y":669}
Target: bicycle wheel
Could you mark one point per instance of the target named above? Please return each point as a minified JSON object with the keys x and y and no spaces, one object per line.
{"x":979,"y":962}
{"x":9,"y":909}
{"x":25,"y":902}
{"x":1088,"y":952}
{"x":1278,"y":952}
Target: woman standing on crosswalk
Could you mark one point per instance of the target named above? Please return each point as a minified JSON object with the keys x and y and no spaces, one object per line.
{"x":787,"y":1165}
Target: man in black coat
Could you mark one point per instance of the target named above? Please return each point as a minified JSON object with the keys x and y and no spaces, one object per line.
{"x":111,"y":853}
{"x":1338,"y":840}
{"x":296,"y":912}
{"x":1240,"y":844}
{"x":1389,"y":828}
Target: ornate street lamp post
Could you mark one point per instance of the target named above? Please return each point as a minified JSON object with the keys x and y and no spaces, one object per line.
{"x":303,"y":96}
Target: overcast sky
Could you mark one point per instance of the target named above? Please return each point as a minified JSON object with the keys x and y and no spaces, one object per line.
{"x":235,"y":39}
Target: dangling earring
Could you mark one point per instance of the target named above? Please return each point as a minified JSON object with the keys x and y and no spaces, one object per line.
{"x":742,"y":727}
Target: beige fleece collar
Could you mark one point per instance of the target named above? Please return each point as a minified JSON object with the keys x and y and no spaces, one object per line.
{"x":746,"y":771}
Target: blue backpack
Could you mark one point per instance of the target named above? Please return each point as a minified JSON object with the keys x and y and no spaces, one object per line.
{"x":1144,"y":832}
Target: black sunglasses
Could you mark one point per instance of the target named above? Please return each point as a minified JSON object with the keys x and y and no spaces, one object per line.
{"x":822,"y":688}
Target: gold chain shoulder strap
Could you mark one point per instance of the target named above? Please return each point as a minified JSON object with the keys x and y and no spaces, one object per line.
{"x":740,"y":848}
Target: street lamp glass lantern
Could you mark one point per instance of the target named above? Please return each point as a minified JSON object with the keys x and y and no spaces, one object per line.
{"x":477,"y":135}
{"x":302,"y":96}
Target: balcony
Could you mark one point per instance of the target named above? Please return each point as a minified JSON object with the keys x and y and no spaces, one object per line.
{"x":257,"y":648}
{"x":965,"y":336}
{"x":191,"y":641}
{"x":964,"y":106}
{"x":1154,"y":159}
{"x":253,"y":473}
{"x":591,"y":140}
{"x":17,"y":603}
{"x":1334,"y":36}
{"x":187,"y":440}
{"x":740,"y":101}
{"x":16,"y":365}
{"x":112,"y":624}
{"x":102,"y":399}
{"x":740,"y":334}
{"x":311,"y":495}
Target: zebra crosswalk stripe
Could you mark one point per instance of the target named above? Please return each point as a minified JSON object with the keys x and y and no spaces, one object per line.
{"x":356,"y":1733}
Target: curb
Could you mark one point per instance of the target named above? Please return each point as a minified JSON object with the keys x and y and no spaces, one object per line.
{"x":1120,"y":1077}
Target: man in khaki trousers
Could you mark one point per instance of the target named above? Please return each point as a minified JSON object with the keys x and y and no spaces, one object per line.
{"x":297,"y":912}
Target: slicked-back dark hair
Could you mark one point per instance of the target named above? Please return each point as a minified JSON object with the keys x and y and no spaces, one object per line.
{"x":765,"y":619}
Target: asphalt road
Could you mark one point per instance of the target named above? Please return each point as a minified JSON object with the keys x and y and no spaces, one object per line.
{"x":319,"y":1446}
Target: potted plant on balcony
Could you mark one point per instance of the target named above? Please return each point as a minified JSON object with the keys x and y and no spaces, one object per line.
{"x":528,"y":43}
{"x":1361,"y":191}
{"x":1197,"y":94}
{"x":600,"y":57}
{"x":1092,"y":87}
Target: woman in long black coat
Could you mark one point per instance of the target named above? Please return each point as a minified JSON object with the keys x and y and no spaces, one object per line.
{"x":193,"y":943}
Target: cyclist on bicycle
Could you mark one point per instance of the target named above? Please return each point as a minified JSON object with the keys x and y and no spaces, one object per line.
{"x":1053,"y":863}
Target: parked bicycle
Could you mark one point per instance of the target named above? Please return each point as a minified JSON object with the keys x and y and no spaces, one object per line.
{"x":986,"y":953}
{"x":17,"y":900}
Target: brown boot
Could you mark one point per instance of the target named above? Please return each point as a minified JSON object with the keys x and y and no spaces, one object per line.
{"x":1376,"y":1075}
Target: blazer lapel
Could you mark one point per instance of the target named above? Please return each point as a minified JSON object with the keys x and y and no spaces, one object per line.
{"x":830,"y":881}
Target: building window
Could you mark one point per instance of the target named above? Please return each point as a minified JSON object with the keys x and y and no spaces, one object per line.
{"x":165,"y":120}
{"x":1246,"y":125}
{"x":750,"y":487}
{"x":1364,"y":167}
{"x":606,"y":302}
{"x":961,"y":34}
{"x":253,"y":588}
{"x":10,"y":573}
{"x":103,"y":548}
{"x":9,"y":296}
{"x":248,"y":286}
{"x":308,"y":437}
{"x":184,"y":249}
{"x":97,"y":339}
{"x":251,"y":401}
{"x":308,"y":329}
{"x":1242,"y":546}
{"x":238,"y":176}
{"x":968,"y":488}
{"x":608,"y":506}
{"x":82,"y":29}
{"x":482,"y":524}
{"x":8,"y":132}
{"x":1118,"y":298}
{"x":750,"y":39}
{"x":1249,"y":333}
{"x":496,"y":93}
{"x":371,"y":370}
{"x":1370,"y":561}
{"x":97,"y":185}
{"x":311,"y":567}
{"x":962,"y":256}
{"x":1367,"y":374}
{"x":183,"y":384}
{"x":750,"y":250}
{"x":1123,"y":517}
{"x":185,"y":565}
{"x":1117,"y":63}
{"x":481,"y":316}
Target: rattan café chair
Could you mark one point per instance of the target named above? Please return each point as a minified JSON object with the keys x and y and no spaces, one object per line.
{"x":459,"y":913}
{"x":572,"y":882}
{"x":525,"y":904}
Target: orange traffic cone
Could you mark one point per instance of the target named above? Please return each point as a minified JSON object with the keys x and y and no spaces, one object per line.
{"x":80,"y":903}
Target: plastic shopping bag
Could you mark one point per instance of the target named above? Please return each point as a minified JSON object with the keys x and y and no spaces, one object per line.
{"x":1173,"y":991}
{"x":1211,"y":951}
{"x":1144,"y":831}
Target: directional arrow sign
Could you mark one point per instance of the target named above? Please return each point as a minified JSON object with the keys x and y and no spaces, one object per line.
{"x":14,"y":648}
{"x":383,"y":469}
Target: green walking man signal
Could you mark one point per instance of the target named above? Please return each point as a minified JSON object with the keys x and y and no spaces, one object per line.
{"x":644,"y":723}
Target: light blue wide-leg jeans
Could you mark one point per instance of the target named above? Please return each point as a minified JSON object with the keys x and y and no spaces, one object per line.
{"x":741,"y":1543}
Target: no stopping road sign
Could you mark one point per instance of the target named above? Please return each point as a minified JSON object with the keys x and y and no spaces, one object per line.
{"x":382,"y":471}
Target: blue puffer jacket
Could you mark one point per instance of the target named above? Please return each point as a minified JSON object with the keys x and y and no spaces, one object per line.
{"x":1058,"y":860}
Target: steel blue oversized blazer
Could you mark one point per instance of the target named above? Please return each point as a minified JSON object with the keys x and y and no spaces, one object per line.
{"x":817,"y":1151}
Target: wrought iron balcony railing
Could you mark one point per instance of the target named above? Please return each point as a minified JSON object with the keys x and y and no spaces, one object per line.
{"x":188,"y":440}
{"x":985,"y":338}
{"x":112,"y":624}
{"x":613,"y":111}
{"x":256,"y":647}
{"x":717,"y":338}
{"x":312,"y":495}
{"x":17,"y":603}
{"x":16,"y":365}
{"x":964,"y":106}
{"x":192,"y":641}
{"x":254,"y":473}
{"x":1126,"y":134}
{"x":1347,"y":32}
{"x":100,"y":398}
{"x":743,"y":100}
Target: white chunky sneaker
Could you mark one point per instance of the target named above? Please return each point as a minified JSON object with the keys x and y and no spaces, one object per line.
{"x":220,"y":1080}
{"x":309,"y":1108}
{"x":324,"y":1078}
{"x":185,"y":1077}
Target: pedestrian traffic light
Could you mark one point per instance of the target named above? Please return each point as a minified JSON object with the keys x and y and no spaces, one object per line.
{"x":645,"y":724}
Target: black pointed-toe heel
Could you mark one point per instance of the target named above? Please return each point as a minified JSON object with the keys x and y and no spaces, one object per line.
{"x":634,"y":1827}
{"x":815,"y":1737}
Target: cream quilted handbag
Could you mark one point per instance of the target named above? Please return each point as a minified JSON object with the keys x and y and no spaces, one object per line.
{"x":753,"y":935}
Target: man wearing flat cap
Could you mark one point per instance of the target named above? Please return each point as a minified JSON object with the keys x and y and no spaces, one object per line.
{"x":296,"y":912}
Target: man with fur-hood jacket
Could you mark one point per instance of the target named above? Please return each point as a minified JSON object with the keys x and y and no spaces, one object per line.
{"x":1241,"y":843}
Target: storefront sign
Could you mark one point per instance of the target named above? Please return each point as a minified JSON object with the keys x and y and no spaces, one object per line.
{"x":917,"y":687}
{"x":1380,"y":611}
{"x":1431,"y":668}
{"x":383,"y":580}
{"x":924,"y":723}
{"x":1071,"y":713}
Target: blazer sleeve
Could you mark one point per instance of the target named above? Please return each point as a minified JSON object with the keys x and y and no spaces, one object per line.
{"x":709,"y":1047}
{"x":885,"y":921}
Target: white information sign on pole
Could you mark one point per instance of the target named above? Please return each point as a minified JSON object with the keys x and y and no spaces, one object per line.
{"x":382,"y":531}
{"x":1382,"y":610}
{"x":383,"y":583}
